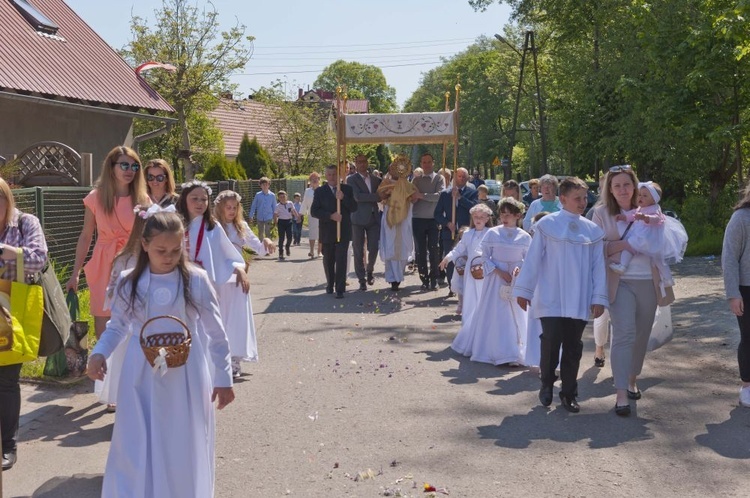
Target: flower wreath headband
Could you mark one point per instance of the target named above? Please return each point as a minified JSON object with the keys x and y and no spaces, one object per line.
{"x":145,"y":214}
{"x":197,"y":183}
{"x":227,"y":194}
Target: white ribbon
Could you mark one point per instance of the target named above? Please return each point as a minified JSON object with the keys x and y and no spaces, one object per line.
{"x":650,"y":187}
{"x":153,"y":209}
{"x":160,"y":362}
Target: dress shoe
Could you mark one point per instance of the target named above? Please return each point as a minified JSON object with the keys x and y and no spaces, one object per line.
{"x":287,"y":252}
{"x":545,"y":395}
{"x":451,"y":293}
{"x":394,"y":285}
{"x":622,"y":411}
{"x":362,"y":286}
{"x":634,"y":394}
{"x":424,"y":286}
{"x":441,"y":282}
{"x":370,"y":278}
{"x":339,"y":295}
{"x":329,"y":290}
{"x":570,"y":403}
{"x":433,"y":285}
{"x":9,"y":460}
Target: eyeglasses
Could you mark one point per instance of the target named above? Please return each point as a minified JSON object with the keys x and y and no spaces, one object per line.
{"x":134,"y":167}
{"x":158,"y":178}
{"x":620,"y":168}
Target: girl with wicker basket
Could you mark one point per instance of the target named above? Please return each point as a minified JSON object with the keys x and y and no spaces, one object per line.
{"x":469,"y":247}
{"x":207,"y":245}
{"x":228,"y":212}
{"x":499,"y":325}
{"x":163,"y":437}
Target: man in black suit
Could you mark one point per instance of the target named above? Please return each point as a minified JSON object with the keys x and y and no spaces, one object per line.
{"x":365,"y":220}
{"x":464,"y":198}
{"x":324,"y":208}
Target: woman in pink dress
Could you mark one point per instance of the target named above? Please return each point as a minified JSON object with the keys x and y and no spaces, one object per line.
{"x":109,"y":211}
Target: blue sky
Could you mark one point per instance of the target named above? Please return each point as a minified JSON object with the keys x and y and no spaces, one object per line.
{"x":295,"y":39}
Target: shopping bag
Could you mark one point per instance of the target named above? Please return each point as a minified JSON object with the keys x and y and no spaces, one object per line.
{"x":662,"y":330}
{"x":76,"y":348}
{"x":26,"y":310}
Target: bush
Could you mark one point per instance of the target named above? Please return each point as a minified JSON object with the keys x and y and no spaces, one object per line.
{"x":219,"y":168}
{"x":253,"y":159}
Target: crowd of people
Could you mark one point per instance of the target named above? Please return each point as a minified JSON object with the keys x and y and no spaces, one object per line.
{"x":528,"y":272}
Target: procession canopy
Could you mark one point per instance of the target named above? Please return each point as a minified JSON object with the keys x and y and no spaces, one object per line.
{"x":399,"y":128}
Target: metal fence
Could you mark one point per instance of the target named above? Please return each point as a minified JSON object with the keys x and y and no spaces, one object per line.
{"x":60,"y":211}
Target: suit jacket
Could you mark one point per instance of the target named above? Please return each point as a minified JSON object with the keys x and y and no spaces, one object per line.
{"x":367,"y":211}
{"x":444,"y":208}
{"x":324,"y":205}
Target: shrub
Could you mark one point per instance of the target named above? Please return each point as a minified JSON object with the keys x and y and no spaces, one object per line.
{"x":254,"y":159}
{"x":218,"y":168}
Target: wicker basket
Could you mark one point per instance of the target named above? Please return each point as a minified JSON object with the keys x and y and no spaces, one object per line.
{"x":476,"y":268}
{"x":176,"y":344}
{"x":460,"y":265}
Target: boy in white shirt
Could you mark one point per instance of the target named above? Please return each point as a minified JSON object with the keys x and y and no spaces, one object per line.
{"x":284,"y":214}
{"x":567,"y":252}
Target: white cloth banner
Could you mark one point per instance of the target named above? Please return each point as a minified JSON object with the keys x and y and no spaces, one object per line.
{"x":413,"y":127}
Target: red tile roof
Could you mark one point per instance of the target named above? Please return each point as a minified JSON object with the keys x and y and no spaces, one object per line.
{"x":75,"y":65}
{"x":236,"y":117}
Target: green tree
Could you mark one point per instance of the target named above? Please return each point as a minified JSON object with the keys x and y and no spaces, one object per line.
{"x":360,"y":81}
{"x":254,"y":159}
{"x":190,"y":39}
{"x":217,"y":167}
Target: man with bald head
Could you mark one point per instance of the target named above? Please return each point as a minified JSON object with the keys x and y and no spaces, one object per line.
{"x":464,"y":198}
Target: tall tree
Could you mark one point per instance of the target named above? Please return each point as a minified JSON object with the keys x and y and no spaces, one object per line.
{"x":254,"y":159}
{"x":361,"y":81}
{"x":189,"y":38}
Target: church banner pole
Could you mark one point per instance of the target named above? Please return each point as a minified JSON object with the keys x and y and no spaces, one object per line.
{"x":455,"y":155}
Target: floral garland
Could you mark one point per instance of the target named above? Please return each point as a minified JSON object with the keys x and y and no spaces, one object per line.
{"x":145,"y":214}
{"x":197,"y":183}
{"x":227,"y":194}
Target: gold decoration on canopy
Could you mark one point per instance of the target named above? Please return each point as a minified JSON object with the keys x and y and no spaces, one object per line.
{"x":396,"y":191}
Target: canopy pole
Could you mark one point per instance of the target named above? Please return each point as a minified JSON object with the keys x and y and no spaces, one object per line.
{"x":455,"y":157}
{"x":341,"y":141}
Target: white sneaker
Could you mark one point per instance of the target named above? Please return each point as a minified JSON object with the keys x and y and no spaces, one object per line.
{"x":618,"y":268}
{"x":745,"y":396}
{"x":236,"y":368}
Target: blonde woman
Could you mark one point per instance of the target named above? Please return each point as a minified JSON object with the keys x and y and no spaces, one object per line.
{"x":109,"y":211}
{"x":160,"y":183}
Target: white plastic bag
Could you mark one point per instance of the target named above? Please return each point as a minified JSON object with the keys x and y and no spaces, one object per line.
{"x":661,"y":331}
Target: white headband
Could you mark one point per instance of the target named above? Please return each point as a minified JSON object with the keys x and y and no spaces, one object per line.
{"x":155,"y":208}
{"x":652,"y":190}
{"x":227,"y":194}
{"x":197,"y":183}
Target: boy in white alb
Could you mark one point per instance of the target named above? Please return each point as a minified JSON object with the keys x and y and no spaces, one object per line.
{"x":567,"y":251}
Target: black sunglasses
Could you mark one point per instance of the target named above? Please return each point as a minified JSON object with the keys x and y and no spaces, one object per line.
{"x":128,"y":166}
{"x":158,"y":178}
{"x":620,"y":168}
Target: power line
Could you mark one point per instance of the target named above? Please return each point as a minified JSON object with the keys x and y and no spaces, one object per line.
{"x":321,"y":69}
{"x":339,"y":51}
{"x":437,"y":54}
{"x":294,"y":66}
{"x":375,"y":44}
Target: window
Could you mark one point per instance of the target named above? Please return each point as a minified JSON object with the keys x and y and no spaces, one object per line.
{"x":38,"y":21}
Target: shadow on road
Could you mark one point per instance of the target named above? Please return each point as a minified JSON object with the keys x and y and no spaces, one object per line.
{"x":67,"y":428}
{"x":726,"y":438}
{"x":79,"y":486}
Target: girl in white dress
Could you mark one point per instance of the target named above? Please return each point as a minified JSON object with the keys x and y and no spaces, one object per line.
{"x":312,"y":222}
{"x":469,"y":247}
{"x":107,"y":390}
{"x":208,"y":246}
{"x":163,"y":437}
{"x":228,"y":213}
{"x":499,"y":325}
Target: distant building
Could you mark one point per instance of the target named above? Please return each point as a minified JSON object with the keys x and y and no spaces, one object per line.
{"x":234,"y":118}
{"x":353,"y":106}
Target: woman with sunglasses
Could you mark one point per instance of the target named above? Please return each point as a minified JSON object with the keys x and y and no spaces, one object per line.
{"x":634,"y":295}
{"x":109,"y":211}
{"x":160,"y":183}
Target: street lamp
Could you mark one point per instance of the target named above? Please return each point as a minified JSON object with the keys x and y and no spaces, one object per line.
{"x":528,"y":46}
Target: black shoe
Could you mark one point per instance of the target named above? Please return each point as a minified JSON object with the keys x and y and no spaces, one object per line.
{"x":9,"y":460}
{"x":598,"y":362}
{"x":424,"y":286}
{"x":451,"y":294}
{"x":287,"y":251}
{"x":339,"y":295}
{"x":394,"y":285}
{"x":441,"y":282}
{"x":622,"y":411}
{"x":362,"y":286}
{"x":370,"y":278}
{"x":329,"y":290}
{"x":433,"y":285}
{"x":634,"y":395}
{"x":570,"y":403}
{"x":545,"y":395}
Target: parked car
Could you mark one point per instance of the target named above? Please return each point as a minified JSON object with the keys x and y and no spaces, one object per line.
{"x":495,"y":190}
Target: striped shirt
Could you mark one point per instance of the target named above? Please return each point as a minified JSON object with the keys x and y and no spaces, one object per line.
{"x":30,"y":238}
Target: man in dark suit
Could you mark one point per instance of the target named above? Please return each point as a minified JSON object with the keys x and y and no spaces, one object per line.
{"x":464,"y":198}
{"x":365,"y":220}
{"x":324,"y":208}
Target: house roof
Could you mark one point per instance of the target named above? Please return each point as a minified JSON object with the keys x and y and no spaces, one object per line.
{"x":236,"y":117}
{"x":74,"y":65}
{"x":353,"y":106}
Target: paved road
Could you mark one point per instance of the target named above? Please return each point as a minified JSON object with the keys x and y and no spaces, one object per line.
{"x":362,"y":397}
